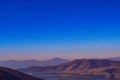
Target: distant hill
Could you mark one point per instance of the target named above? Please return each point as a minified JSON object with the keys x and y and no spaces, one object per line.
{"x":10,"y":74}
{"x":82,"y":66}
{"x":27,"y":63}
{"x":54,"y":61}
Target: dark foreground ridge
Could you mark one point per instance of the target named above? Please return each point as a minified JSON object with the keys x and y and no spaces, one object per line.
{"x":10,"y":74}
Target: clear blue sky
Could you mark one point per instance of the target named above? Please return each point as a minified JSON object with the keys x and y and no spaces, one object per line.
{"x":42,"y":29}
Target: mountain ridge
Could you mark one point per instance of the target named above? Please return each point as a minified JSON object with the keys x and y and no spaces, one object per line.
{"x":82,"y":67}
{"x":27,"y":63}
{"x":82,"y":64}
{"x":10,"y":74}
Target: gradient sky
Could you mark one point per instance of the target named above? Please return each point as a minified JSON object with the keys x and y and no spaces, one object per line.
{"x":42,"y":29}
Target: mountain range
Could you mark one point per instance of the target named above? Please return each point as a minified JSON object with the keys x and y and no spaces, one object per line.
{"x":15,"y":64}
{"x":10,"y":74}
{"x":80,"y":68}
{"x":27,"y":63}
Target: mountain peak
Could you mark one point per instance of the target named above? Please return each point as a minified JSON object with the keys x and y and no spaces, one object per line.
{"x":57,"y":58}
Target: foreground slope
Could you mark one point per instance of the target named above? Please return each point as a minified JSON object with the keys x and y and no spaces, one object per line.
{"x":10,"y":74}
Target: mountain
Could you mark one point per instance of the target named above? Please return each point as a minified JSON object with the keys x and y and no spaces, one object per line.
{"x":27,"y":63}
{"x":54,"y":61}
{"x":81,"y":67}
{"x":19,"y":64}
{"x":77,"y":65}
{"x":10,"y":74}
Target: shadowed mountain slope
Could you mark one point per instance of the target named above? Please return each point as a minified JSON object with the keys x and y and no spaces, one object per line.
{"x":10,"y":74}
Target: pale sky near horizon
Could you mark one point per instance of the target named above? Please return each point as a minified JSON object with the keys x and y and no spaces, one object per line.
{"x":71,"y":29}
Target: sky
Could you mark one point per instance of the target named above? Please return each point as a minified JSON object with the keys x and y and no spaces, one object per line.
{"x":71,"y":29}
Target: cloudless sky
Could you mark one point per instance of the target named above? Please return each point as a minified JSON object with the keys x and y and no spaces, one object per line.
{"x":42,"y":29}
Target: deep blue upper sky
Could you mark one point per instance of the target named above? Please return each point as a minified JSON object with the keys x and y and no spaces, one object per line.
{"x":72,"y":27}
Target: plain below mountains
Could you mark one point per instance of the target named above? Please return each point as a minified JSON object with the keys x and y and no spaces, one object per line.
{"x":10,"y":74}
{"x":27,"y":63}
{"x":86,"y":68}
